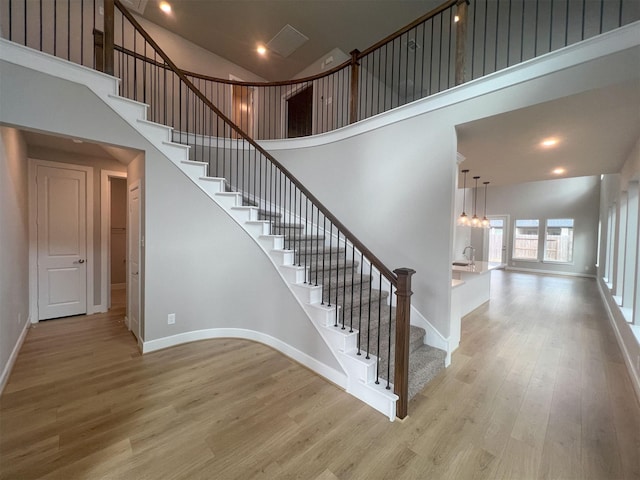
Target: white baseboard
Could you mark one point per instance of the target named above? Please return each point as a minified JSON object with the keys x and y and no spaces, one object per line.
{"x":12,"y":358}
{"x":334,"y":376}
{"x":433,"y":337}
{"x":633,"y":374}
{"x":549,"y":272}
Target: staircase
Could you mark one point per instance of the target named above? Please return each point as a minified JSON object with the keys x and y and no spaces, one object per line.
{"x":354,"y":289}
{"x":285,"y":241}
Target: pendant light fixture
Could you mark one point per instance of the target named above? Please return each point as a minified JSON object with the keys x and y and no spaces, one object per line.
{"x":485,"y":221}
{"x":463,"y":219}
{"x":475,"y":221}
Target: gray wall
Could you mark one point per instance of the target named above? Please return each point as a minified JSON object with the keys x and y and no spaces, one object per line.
{"x":14,"y":243}
{"x":576,"y":198}
{"x":393,"y":188}
{"x":198,"y":263}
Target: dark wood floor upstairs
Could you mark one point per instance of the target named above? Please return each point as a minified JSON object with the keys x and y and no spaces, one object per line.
{"x":537,"y":389}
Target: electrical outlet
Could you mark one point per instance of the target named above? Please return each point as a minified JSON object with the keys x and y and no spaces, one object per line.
{"x":171,"y":318}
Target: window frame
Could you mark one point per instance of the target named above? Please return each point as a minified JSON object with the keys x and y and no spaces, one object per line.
{"x":545,"y":240}
{"x":514,"y":239}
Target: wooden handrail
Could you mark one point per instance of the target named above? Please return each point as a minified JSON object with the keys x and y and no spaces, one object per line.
{"x":408,"y":27}
{"x":386,"y":272}
{"x":347,"y":63}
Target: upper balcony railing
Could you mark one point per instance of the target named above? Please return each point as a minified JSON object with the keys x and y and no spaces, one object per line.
{"x":459,"y":41}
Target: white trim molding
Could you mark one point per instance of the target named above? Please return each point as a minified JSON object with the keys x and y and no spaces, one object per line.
{"x":634,"y":370}
{"x":335,"y":376}
{"x":549,"y":272}
{"x":12,"y":358}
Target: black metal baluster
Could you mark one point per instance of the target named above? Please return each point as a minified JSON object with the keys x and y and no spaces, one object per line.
{"x":522,"y":33}
{"x":551,"y":26}
{"x":388,"y":387}
{"x":484,"y":41}
{"x":68,"y":30}
{"x":601,"y":14}
{"x":55,"y":26}
{"x":329,"y":275}
{"x":360,"y":308}
{"x":379,"y":355}
{"x":535,"y":34}
{"x":369,"y":312}
{"x":317,"y":239}
{"x":431,"y":61}
{"x":337,"y":281}
{"x":324,"y":245}
{"x":306,"y":236}
{"x":566,"y":22}
{"x":509,"y":34}
{"x":344,"y":280}
{"x":495,"y":54}
{"x":353,"y":274}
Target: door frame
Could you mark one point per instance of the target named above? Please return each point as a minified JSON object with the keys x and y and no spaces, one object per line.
{"x":284,"y":99}
{"x":253,"y":121}
{"x":137,"y":184}
{"x":505,"y":235}
{"x":105,"y":235}
{"x":33,"y":165}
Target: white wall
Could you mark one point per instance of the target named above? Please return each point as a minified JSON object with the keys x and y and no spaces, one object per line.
{"x":576,"y":198}
{"x":14,"y":247}
{"x":393,"y":188}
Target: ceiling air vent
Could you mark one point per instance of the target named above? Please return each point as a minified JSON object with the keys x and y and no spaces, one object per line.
{"x":137,"y":6}
{"x":287,"y":41}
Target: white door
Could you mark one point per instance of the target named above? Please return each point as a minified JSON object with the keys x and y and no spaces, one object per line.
{"x":62,"y":242}
{"x":498,"y":235}
{"x":133,"y":294}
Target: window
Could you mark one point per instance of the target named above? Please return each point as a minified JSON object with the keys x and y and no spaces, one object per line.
{"x":525,"y":240}
{"x":558,"y":242}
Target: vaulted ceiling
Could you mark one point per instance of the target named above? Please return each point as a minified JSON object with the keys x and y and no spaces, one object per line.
{"x":234,"y":28}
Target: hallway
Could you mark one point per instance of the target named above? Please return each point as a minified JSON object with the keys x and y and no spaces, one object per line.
{"x":537,"y":389}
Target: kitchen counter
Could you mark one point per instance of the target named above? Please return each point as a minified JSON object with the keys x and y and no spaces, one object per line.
{"x":476,"y":288}
{"x":478,"y":268}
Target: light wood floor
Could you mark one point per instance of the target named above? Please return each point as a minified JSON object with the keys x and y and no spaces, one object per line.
{"x":537,"y":389}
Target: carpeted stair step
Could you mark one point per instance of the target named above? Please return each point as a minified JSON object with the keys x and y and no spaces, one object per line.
{"x":303,"y":241}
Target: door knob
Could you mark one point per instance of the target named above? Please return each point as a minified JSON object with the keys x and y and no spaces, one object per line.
{"x":81,"y":261}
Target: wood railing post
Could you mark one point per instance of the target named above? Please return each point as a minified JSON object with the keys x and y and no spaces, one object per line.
{"x":403,"y":313}
{"x":109,"y":28}
{"x":461,"y":40}
{"x":353,"y":95}
{"x":98,"y":50}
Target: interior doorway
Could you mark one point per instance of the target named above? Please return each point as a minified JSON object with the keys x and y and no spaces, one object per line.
{"x":118,"y":243}
{"x":113,"y":208}
{"x":242,"y":107}
{"x":300,"y":113}
{"x":61,"y":229}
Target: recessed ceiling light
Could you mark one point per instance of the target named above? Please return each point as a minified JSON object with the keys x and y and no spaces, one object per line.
{"x":165,"y":7}
{"x":549,"y":142}
{"x":261,"y":49}
{"x":558,"y":171}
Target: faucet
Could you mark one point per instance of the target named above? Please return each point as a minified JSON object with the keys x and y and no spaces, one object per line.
{"x":472,"y":257}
